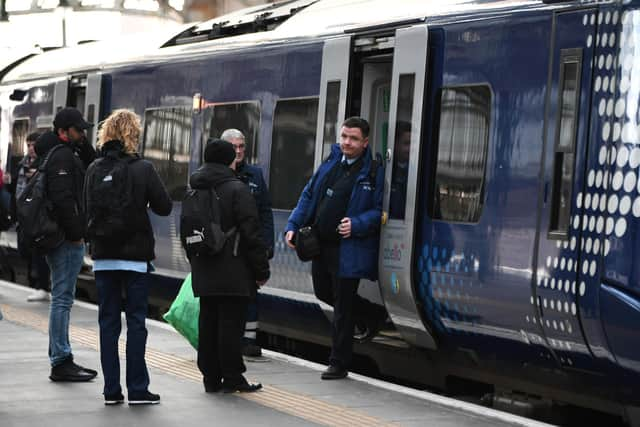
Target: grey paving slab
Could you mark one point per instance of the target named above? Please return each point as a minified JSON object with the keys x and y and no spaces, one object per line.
{"x":27,"y":397}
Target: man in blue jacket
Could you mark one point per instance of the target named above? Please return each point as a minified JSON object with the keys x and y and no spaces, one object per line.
{"x":343,"y":204}
{"x":252,"y":176}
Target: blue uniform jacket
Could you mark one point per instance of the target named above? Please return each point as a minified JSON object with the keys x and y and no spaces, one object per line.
{"x":358,"y":253}
{"x":252,"y":176}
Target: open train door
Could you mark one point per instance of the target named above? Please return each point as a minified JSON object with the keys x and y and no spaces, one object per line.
{"x":333,"y":94}
{"x":402,"y":172}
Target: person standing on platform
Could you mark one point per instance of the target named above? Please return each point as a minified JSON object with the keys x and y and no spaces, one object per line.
{"x":65,"y":177}
{"x":226,"y":281}
{"x":252,"y":176}
{"x":37,"y":268}
{"x":118,"y":188}
{"x":343,"y":204}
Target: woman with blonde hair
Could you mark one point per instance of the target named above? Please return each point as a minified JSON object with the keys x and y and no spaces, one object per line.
{"x":118,"y":188}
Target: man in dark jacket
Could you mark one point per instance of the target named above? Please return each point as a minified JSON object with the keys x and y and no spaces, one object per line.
{"x":226,"y":281}
{"x":252,"y":176}
{"x":65,"y":175}
{"x":343,"y":204}
{"x":122,"y":253}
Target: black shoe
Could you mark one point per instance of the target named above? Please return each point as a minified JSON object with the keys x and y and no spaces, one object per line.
{"x":113,"y":399}
{"x":144,"y":398}
{"x":243,"y":387}
{"x":212,"y":386}
{"x":334,"y":372}
{"x":250,"y":349}
{"x":68,"y":371}
{"x":91,"y":371}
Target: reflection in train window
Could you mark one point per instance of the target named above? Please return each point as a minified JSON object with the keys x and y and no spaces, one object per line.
{"x":465,"y":115}
{"x":566,"y":128}
{"x":167,"y":138}
{"x":292,"y":150}
{"x":243,"y":116}
{"x":402,"y":147}
{"x":17,"y":151}
{"x":331,"y":117}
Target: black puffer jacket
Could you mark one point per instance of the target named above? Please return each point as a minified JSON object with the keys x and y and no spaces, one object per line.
{"x":225,"y":274}
{"x":65,"y":177}
{"x":148,"y":190}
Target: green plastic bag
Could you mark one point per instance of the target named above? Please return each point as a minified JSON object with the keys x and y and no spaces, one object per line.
{"x":185,"y":312}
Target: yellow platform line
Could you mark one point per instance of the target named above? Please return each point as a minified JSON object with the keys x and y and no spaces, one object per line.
{"x":296,"y":404}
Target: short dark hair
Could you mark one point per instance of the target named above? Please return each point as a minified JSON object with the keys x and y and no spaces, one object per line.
{"x":33,"y":136}
{"x":357,"y":122}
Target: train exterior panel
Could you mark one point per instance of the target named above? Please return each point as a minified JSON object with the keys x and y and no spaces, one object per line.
{"x":510,"y":137}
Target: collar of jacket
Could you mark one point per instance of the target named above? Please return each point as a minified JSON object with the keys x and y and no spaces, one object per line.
{"x":336,"y":156}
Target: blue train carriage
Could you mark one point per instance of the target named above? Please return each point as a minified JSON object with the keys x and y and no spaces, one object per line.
{"x":509,"y":133}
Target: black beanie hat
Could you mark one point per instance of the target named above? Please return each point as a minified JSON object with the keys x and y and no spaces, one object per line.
{"x":219,"y":151}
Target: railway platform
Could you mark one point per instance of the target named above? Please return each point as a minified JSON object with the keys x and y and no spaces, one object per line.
{"x":293,"y":392}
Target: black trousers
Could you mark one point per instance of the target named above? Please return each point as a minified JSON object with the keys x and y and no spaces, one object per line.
{"x":342,"y":295}
{"x":221,"y":326}
{"x":38,"y":272}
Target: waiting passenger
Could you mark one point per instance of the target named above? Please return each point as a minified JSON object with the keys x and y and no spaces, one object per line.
{"x":118,"y":188}
{"x":65,"y":175}
{"x":227,"y":280}
{"x":37,"y":268}
{"x":252,"y":176}
{"x":343,"y":205}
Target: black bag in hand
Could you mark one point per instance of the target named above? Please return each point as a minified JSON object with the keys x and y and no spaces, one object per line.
{"x":307,"y":244}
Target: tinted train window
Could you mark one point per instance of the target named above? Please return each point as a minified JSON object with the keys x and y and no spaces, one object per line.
{"x":331,"y":117}
{"x":292,"y":150}
{"x":243,"y":116}
{"x":19,"y":133}
{"x":167,"y":138}
{"x":565,"y":138}
{"x":465,"y":114}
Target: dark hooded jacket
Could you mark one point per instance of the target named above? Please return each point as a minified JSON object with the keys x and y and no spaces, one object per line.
{"x":226,"y":274}
{"x":65,"y":177}
{"x":148,"y":190}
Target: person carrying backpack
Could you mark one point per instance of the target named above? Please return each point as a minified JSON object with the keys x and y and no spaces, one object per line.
{"x":118,"y":188}
{"x":227,"y":277}
{"x":63,"y":172}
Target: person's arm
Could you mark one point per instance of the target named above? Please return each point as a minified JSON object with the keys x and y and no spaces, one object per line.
{"x":266,"y":214}
{"x":368,"y":222}
{"x":60,"y":172}
{"x":245,"y":213}
{"x":86,"y":152}
{"x":159,"y":200}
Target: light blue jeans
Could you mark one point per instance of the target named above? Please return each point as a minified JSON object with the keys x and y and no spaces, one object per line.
{"x":65,"y":263}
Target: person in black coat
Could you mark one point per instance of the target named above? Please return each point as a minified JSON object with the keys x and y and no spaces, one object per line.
{"x":121,"y":263}
{"x":226,"y":282}
{"x":64,"y":171}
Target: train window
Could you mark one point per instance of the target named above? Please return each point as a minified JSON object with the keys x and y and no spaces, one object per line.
{"x":167,"y":140}
{"x":331,"y":117}
{"x":292,"y":149}
{"x":463,"y":139}
{"x":565,"y":137}
{"x":243,"y":116}
{"x":19,"y":134}
{"x":402,"y":147}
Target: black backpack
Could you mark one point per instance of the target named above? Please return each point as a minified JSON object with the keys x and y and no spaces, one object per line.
{"x":109,"y":197}
{"x":200,"y":230}
{"x":38,"y":230}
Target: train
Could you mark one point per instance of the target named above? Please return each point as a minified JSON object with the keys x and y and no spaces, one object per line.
{"x":507,"y":247}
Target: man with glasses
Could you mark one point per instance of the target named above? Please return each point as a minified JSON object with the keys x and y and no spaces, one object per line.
{"x":252,"y":176}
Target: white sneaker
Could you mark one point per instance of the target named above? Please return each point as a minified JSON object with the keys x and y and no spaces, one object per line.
{"x":39,"y":295}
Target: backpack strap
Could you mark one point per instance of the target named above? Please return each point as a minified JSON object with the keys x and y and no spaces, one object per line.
{"x":43,"y":165}
{"x":373,"y":170}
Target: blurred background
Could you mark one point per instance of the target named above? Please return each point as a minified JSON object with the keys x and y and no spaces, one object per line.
{"x":42,"y":24}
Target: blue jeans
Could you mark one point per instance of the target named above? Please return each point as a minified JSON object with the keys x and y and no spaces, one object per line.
{"x":110,"y":285}
{"x":65,"y":263}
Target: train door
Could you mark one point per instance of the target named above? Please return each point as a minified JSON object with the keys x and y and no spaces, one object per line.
{"x":563,"y":246}
{"x":402,"y":172}
{"x":93,"y":103}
